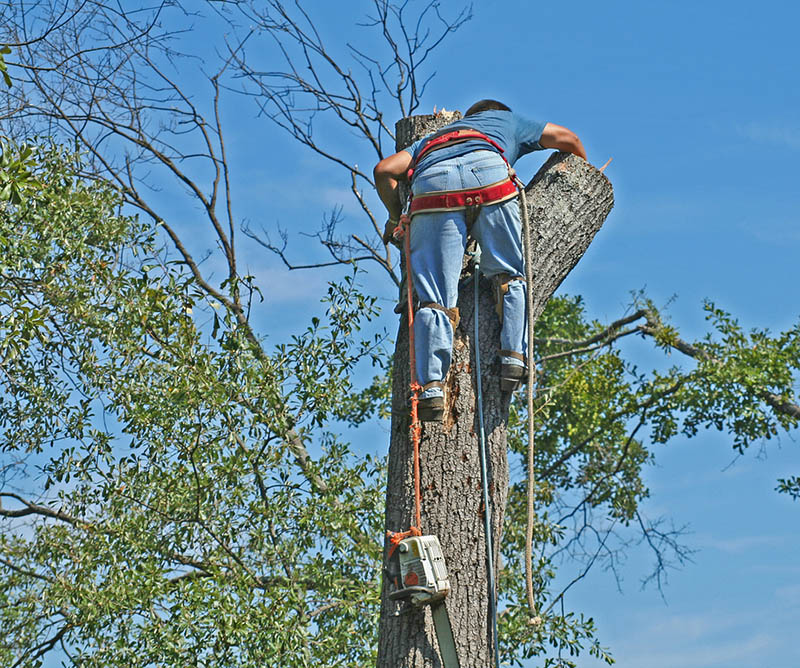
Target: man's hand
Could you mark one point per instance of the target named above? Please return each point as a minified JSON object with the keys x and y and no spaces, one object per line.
{"x":388,"y":231}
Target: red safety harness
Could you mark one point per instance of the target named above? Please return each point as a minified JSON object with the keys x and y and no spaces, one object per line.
{"x":461,"y":199}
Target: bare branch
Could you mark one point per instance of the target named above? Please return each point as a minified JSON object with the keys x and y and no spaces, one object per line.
{"x":24,"y":571}
{"x":611,"y":337}
{"x":34,"y":509}
{"x":609,"y":331}
{"x":43,"y":648}
{"x":658,"y":540}
{"x":600,"y":549}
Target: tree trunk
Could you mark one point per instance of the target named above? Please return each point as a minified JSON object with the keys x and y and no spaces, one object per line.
{"x":568,"y":200}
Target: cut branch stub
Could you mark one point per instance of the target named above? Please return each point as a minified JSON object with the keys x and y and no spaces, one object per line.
{"x":568,"y":202}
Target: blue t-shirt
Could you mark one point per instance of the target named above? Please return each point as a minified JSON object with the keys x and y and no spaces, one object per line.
{"x":515,"y":134}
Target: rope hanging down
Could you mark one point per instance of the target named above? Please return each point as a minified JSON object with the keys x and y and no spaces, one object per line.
{"x":487,"y":516}
{"x":402,"y":230}
{"x":528,"y":250}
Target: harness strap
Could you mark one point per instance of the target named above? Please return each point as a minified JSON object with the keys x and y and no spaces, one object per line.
{"x":512,"y":353}
{"x":500,"y":283}
{"x":433,"y":383}
{"x":449,"y":138}
{"x":452,"y":200}
{"x":471,"y":200}
{"x":453,"y":314}
{"x":471,"y":215}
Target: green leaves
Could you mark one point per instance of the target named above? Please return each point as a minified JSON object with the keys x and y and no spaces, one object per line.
{"x":179,"y":526}
{"x":790,"y":486}
{"x":743,"y":382}
{"x":4,"y":51}
{"x":16,"y":165}
{"x":197,"y":502}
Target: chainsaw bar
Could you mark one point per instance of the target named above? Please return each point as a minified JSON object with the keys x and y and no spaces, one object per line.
{"x":444,"y":634}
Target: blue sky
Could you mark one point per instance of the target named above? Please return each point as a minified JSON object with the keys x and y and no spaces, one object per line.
{"x":697,"y":102}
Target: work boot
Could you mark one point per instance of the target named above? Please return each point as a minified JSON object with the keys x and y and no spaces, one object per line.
{"x":512,"y":376}
{"x":431,"y":409}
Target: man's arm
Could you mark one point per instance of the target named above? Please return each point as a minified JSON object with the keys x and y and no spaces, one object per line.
{"x":562,"y":139}
{"x":387,"y":173}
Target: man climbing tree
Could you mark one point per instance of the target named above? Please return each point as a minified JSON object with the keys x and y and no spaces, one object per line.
{"x":472,"y":191}
{"x":462,"y":182}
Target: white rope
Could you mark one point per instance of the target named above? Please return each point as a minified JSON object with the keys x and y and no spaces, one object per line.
{"x":526,"y":237}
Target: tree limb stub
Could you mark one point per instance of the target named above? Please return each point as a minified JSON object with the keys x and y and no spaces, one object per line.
{"x":568,"y":202}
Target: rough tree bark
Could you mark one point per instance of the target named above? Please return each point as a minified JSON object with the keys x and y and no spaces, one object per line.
{"x":568,"y":201}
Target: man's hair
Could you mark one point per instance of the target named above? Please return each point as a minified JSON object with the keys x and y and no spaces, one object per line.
{"x":486,"y":105}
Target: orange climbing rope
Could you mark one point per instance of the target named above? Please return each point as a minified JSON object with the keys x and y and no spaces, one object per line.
{"x":403,"y":230}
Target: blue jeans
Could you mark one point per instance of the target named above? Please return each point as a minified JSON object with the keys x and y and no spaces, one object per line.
{"x":438,"y":240}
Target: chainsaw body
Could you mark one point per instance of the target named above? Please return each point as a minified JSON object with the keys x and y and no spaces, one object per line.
{"x":418,"y":571}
